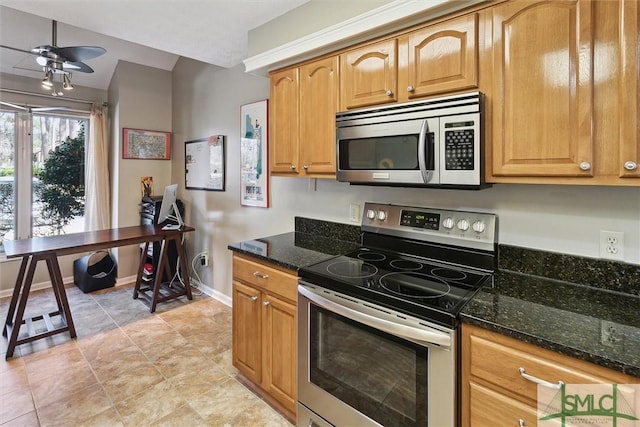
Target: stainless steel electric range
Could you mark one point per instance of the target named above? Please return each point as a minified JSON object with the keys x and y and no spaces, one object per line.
{"x":377,"y":341}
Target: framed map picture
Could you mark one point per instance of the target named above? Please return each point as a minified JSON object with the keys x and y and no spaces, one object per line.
{"x":146,"y":144}
{"x":254,"y":161}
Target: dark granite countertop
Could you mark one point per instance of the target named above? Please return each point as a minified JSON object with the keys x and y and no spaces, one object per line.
{"x":561,"y":316}
{"x":293,"y":250}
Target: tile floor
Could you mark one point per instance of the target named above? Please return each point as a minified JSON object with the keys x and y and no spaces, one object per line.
{"x":129,"y":367}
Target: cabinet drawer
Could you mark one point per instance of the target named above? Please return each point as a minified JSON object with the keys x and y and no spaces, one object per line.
{"x":268,"y":278}
{"x":499,"y":363}
{"x":489,"y":409}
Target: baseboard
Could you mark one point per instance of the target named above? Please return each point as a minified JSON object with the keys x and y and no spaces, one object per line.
{"x":128,"y":280}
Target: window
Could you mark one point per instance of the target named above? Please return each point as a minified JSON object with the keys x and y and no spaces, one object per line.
{"x":41,"y":174}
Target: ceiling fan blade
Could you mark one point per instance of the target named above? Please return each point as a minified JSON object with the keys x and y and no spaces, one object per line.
{"x":79,"y":53}
{"x":8,"y":104}
{"x":16,"y":49}
{"x":42,"y":109}
{"x":77,"y":66}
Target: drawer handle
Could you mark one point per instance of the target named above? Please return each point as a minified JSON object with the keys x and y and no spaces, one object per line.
{"x":533,"y":379}
{"x":260,"y":275}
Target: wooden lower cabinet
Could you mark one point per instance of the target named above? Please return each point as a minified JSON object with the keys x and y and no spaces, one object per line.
{"x":264,"y":331}
{"x":495,"y":394}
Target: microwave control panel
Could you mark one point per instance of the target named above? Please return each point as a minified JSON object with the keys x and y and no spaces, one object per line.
{"x":459,"y":145}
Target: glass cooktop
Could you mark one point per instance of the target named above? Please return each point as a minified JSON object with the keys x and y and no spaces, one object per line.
{"x":429,"y":290}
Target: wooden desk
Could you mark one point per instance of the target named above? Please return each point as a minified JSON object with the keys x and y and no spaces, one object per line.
{"x":49,"y":248}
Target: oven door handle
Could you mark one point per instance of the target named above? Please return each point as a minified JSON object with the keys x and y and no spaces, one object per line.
{"x":416,"y":335}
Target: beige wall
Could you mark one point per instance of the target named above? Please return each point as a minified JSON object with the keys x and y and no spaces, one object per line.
{"x":306,"y":19}
{"x":140,"y":98}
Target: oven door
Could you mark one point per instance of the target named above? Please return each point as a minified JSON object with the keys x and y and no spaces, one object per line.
{"x":392,"y":152}
{"x":359,"y":365}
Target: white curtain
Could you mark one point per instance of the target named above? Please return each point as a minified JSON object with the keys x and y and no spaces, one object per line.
{"x":97,"y":213}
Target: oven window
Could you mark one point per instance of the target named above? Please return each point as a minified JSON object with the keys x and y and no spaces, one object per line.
{"x":399,"y":152}
{"x":379,"y":375}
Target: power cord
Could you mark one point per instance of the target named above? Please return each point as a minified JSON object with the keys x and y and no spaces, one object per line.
{"x":177,"y":275}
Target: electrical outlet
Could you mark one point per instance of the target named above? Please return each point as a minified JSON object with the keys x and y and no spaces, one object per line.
{"x":610,"y":333}
{"x":354,"y":212}
{"x":612,"y":245}
{"x":204,"y":259}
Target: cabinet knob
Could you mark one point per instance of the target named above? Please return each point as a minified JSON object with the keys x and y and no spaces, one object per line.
{"x":410,"y":88}
{"x":520,"y":422}
{"x":265,"y":303}
{"x":260,"y":275}
{"x":630,"y":166}
{"x":389,"y":93}
{"x":305,"y":167}
{"x":585,"y":166}
{"x":254,"y":298}
{"x":293,"y":167}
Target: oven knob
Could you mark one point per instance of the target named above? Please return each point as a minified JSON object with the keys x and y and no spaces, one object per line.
{"x":479,"y":226}
{"x":371,"y":214}
{"x":382,"y":215}
{"x":463,"y":225}
{"x":448,"y":223}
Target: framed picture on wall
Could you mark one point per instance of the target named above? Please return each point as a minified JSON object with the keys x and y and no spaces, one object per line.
{"x":146,"y":144}
{"x":254,"y":154}
{"x":205,"y":163}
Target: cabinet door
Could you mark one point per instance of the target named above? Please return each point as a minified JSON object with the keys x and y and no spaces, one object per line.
{"x":280,"y":350}
{"x":489,"y":408}
{"x":543,"y":84}
{"x":443,"y":57}
{"x":247,"y":337}
{"x":318,"y":107}
{"x":283,"y":122}
{"x":368,"y":75}
{"x":630,"y":90}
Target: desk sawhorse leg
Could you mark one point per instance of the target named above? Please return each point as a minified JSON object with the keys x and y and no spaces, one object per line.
{"x":15,"y":316}
{"x":163,"y":291}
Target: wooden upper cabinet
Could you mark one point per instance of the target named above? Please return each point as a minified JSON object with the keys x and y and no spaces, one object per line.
{"x":368,"y":75}
{"x":542,"y":88}
{"x":630,"y":90}
{"x":319,"y":95}
{"x":443,"y":57}
{"x":283,"y":123}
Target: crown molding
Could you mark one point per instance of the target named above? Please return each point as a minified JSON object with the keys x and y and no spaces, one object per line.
{"x":389,"y":17}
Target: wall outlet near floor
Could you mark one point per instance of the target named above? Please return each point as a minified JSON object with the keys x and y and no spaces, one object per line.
{"x":204,"y":259}
{"x":612,"y":245}
{"x":354,"y":212}
{"x":610,"y":333}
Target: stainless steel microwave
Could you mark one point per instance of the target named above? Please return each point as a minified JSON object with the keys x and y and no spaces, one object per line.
{"x":432,"y":143}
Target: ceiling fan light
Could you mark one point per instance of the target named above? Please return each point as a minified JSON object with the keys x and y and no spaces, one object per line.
{"x":66,"y":82}
{"x":48,"y":79}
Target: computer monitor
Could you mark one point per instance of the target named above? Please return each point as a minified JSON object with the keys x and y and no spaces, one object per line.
{"x":169,"y":208}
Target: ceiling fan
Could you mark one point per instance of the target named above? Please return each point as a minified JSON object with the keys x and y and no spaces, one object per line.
{"x":60,"y":61}
{"x":63,"y":58}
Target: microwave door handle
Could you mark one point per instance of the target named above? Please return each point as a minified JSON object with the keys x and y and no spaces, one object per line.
{"x":423,"y":152}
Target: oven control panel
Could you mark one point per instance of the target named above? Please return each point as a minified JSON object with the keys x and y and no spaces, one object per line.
{"x":476,"y":230}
